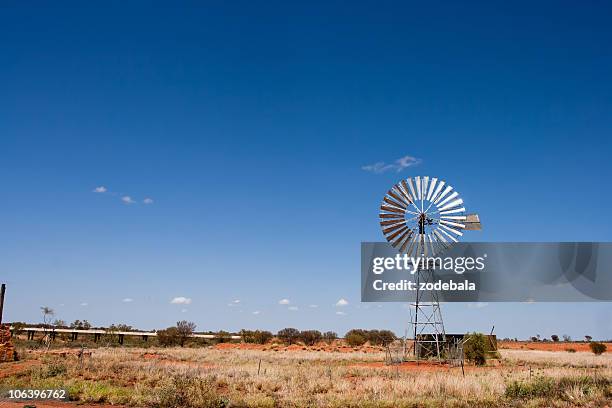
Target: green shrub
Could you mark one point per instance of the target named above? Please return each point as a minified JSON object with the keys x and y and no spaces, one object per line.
{"x":475,"y":348}
{"x":168,"y":337}
{"x":356,"y":337}
{"x":380,"y":337}
{"x":288,"y":335}
{"x":310,"y":337}
{"x":538,"y":387}
{"x":255,"y":336}
{"x":330,"y":336}
{"x":570,"y":350}
{"x":547,"y":387}
{"x":598,"y":348}
{"x":189,"y":392}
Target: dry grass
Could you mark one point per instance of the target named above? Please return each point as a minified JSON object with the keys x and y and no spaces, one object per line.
{"x":207,"y":377}
{"x":557,"y":358}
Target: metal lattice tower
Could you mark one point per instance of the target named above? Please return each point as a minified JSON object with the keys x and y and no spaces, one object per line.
{"x":423,"y":217}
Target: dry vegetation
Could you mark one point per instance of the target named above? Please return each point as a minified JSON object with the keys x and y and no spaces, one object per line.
{"x":217,"y":377}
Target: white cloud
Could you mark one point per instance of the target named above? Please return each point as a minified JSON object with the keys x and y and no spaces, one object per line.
{"x":183,"y":310}
{"x":84,"y":304}
{"x":128,"y":200}
{"x":342,"y":302}
{"x":256,"y":312}
{"x":339,"y":313}
{"x":127,"y":300}
{"x":293,"y":308}
{"x":181,"y":300}
{"x":283,"y":302}
{"x":397,"y":166}
{"x":100,"y":189}
{"x":148,"y":200}
{"x":236,"y":301}
{"x":313,"y":306}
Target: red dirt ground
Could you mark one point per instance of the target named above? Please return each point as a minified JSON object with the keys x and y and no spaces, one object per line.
{"x":547,"y":346}
{"x":8,"y":369}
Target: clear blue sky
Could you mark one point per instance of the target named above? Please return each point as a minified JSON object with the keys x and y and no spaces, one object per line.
{"x":248,"y":126}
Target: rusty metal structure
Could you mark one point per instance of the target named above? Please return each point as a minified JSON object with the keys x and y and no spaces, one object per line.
{"x":423,"y":217}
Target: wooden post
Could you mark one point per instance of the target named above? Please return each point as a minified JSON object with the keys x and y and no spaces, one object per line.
{"x":2,"y":290}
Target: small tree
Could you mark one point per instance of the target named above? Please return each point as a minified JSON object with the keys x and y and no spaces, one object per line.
{"x":330,"y":336}
{"x":310,"y":337}
{"x":381,"y":337}
{"x":588,"y":338}
{"x":168,"y":337}
{"x":262,"y":336}
{"x":356,"y":337}
{"x":598,"y":348}
{"x":554,"y":338}
{"x":566,"y":338}
{"x":475,"y":348}
{"x":184,"y":330}
{"x":58,"y":323}
{"x":255,"y":336}
{"x":288,"y":335}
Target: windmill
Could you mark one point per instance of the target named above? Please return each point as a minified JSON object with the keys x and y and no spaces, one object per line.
{"x":423,"y":216}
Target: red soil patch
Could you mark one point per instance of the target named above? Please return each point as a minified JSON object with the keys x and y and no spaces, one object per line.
{"x":9,"y":369}
{"x":547,"y":346}
{"x":153,"y":356}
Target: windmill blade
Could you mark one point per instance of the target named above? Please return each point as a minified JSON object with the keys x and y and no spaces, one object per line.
{"x":383,"y":215}
{"x":441,"y":196}
{"x":454,"y":231}
{"x":398,"y":197}
{"x":411,"y":246}
{"x":401,"y":238}
{"x":447,"y":199}
{"x":394,"y":203}
{"x":432,"y":186}
{"x":392,"y":209}
{"x":452,"y":204}
{"x":417,"y":181}
{"x":454,"y":217}
{"x":425,"y":187}
{"x":412,"y":189}
{"x":448,"y":235}
{"x":455,"y":211}
{"x":391,"y":222}
{"x":452,"y":224}
{"x":438,"y":189}
{"x":406,"y":189}
{"x":405,"y":195}
{"x":393,"y":228}
{"x":396,"y":233}
{"x":407,"y":241}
